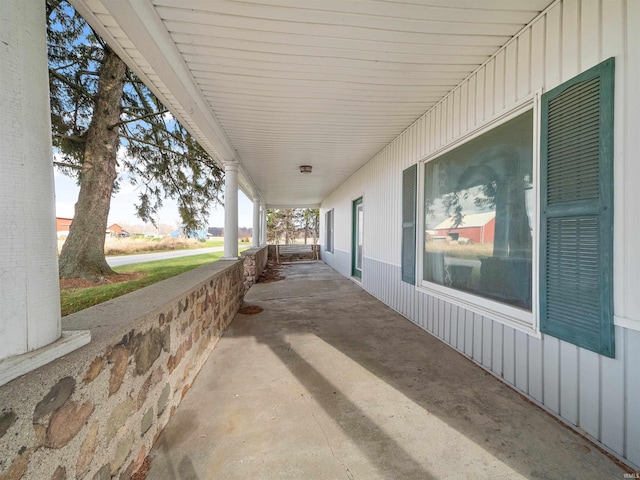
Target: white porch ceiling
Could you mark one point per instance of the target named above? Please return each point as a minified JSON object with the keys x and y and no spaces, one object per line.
{"x":275,"y":84}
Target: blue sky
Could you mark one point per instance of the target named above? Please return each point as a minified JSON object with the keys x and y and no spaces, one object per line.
{"x":122,"y":210}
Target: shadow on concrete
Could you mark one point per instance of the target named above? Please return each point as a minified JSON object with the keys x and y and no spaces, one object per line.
{"x":184,"y":469}
{"x":388,"y":456}
{"x":441,"y":381}
{"x":390,"y":400}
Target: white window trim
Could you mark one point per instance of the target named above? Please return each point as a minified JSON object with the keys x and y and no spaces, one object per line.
{"x":330,"y":232}
{"x":628,"y":323}
{"x":522,"y":320}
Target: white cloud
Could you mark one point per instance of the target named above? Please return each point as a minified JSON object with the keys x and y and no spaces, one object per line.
{"x":64,"y":209}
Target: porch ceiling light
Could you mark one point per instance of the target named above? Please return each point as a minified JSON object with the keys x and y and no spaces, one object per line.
{"x":305,"y":168}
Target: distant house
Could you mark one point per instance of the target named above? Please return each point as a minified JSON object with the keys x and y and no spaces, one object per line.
{"x":197,"y":234}
{"x":477,"y":227}
{"x":62,"y":226}
{"x":116,"y":230}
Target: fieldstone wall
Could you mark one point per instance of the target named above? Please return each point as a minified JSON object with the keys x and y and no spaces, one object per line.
{"x":255,"y":259}
{"x":95,"y":413}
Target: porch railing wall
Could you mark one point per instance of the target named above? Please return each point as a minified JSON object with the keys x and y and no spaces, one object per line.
{"x":96,"y":412}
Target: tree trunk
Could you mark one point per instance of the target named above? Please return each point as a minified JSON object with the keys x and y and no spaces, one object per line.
{"x":316,"y":228}
{"x":306,"y":228}
{"x":83,"y":252}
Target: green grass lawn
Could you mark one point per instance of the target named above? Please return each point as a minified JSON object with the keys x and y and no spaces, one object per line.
{"x":150,"y":272}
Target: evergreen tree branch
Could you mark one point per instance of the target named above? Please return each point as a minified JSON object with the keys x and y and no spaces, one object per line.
{"x":74,"y":86}
{"x":137,"y":118}
{"x":145,"y":142}
{"x":67,"y":165}
{"x":64,"y":67}
{"x":71,"y":138}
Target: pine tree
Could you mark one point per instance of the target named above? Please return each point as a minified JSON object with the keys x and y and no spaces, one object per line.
{"x":108,"y":126}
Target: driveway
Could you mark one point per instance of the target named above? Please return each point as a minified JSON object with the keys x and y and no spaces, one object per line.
{"x":117,"y":261}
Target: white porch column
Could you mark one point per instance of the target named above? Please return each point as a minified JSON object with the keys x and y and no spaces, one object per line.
{"x":29,"y":287}
{"x":257,"y":223}
{"x":230,"y":211}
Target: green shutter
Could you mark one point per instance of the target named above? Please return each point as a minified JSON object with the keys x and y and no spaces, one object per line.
{"x":409,"y":190}
{"x":576,"y":242}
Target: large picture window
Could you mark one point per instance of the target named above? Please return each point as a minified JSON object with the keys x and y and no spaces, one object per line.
{"x":479,"y":214}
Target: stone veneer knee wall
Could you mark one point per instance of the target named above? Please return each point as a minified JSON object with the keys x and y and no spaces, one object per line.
{"x":95,"y":413}
{"x":255,"y":259}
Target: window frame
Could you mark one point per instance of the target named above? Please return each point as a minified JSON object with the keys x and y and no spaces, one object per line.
{"x":519,"y":319}
{"x":329,"y":237}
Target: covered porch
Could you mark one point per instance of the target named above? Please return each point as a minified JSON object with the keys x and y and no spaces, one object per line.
{"x":328,"y":382}
{"x":360,"y":92}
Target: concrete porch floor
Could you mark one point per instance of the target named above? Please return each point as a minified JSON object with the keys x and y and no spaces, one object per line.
{"x":329,"y":383}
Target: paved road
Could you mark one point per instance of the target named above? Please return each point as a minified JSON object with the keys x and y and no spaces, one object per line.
{"x":120,"y":260}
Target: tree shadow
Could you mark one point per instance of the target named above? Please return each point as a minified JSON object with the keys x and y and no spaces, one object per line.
{"x":431,"y":374}
{"x":389,"y":457}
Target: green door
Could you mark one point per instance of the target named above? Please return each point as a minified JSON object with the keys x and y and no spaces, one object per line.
{"x":358,"y":238}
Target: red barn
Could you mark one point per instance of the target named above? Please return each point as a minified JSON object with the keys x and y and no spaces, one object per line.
{"x":62,"y":226}
{"x":477,"y":227}
{"x":116,"y":230}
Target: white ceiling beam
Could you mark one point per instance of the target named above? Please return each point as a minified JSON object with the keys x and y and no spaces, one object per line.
{"x":146,"y":31}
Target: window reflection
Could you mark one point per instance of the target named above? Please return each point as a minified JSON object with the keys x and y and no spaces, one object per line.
{"x":479,"y":205}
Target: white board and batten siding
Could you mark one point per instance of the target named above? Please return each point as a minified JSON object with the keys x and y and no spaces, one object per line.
{"x":598,"y":396}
